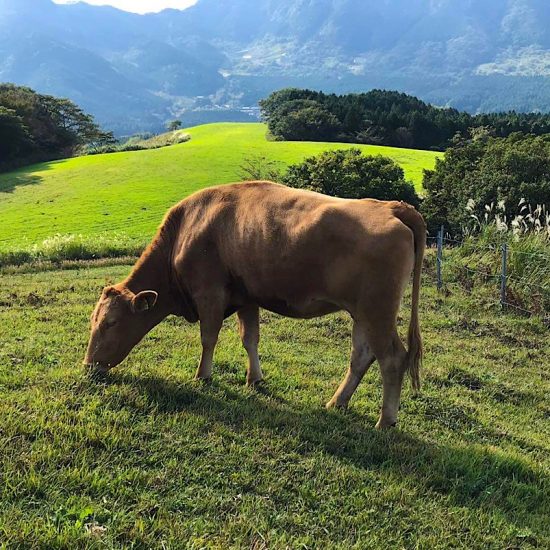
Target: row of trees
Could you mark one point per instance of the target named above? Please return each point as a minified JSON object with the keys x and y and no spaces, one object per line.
{"x":36,"y":127}
{"x":383,"y":118}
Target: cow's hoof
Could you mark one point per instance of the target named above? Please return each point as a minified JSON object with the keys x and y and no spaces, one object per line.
{"x":205,"y":380}
{"x":255,"y":384}
{"x":335,"y":404}
{"x":383,"y":425}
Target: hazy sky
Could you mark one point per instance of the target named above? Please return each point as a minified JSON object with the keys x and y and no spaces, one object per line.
{"x":138,"y":6}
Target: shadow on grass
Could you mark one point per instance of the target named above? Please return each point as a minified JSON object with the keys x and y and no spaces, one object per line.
{"x":9,"y":182}
{"x":22,"y":177}
{"x":469,"y":475}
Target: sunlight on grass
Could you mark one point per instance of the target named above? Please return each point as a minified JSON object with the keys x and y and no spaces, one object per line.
{"x":130,"y":192}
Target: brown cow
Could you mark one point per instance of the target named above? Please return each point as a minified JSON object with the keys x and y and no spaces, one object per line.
{"x":239,"y":247}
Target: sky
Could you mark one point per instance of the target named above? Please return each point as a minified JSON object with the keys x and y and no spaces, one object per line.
{"x":137,"y":6}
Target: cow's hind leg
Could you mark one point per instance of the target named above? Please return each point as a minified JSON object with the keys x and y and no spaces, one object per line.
{"x":361,"y":359}
{"x":249,"y":329}
{"x":392,"y":358}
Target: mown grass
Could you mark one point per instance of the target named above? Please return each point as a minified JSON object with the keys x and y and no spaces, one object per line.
{"x":129,"y":192}
{"x":150,"y":459}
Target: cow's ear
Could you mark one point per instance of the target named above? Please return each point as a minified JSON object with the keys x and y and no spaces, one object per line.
{"x":144,"y":300}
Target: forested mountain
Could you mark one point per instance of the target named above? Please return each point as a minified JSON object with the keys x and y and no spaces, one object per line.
{"x":134,"y":72}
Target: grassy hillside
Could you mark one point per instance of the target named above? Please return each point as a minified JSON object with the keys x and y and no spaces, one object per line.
{"x":150,"y":459}
{"x":129,"y":192}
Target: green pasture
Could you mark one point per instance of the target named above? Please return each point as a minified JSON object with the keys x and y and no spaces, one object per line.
{"x":149,"y":458}
{"x":127,"y":193}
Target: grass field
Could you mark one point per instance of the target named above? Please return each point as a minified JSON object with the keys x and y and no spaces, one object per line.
{"x":128,"y":193}
{"x":150,"y":459}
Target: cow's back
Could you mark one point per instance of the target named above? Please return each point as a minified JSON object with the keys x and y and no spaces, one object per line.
{"x":283,"y":245}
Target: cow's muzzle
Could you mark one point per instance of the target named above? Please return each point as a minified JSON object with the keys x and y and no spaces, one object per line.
{"x":96,"y":368}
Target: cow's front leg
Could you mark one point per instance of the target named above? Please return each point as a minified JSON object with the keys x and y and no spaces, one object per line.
{"x":211,"y":319}
{"x":249,"y":329}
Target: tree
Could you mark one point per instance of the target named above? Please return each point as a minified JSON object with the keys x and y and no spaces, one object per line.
{"x":55,"y":127}
{"x":270,"y":106}
{"x":371,"y":134}
{"x":403,"y":137}
{"x":347,"y":173}
{"x":259,"y":167}
{"x":287,"y":121}
{"x":75,"y":127}
{"x":174,"y":125}
{"x":14,"y":137}
{"x":353,"y":120}
{"x":312,"y":123}
{"x":482,"y":171}
{"x":97,"y":139}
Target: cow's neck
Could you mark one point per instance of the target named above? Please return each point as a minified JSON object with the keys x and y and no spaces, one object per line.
{"x":151,"y":272}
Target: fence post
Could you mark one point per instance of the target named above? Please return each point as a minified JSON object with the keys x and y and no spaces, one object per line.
{"x":439,"y":257}
{"x":503,"y":275}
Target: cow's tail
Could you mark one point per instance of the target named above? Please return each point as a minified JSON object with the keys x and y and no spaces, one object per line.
{"x":414,"y":221}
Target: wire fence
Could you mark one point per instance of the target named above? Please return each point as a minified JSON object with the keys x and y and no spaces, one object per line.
{"x":494,"y":270}
{"x":507,"y":286}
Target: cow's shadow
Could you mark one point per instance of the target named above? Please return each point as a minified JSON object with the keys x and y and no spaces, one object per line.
{"x":468,"y":475}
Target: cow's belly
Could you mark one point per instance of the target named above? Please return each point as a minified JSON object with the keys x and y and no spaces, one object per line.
{"x":299,"y":310}
{"x":300,"y":293}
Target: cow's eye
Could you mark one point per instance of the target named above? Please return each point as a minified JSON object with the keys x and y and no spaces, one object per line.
{"x":109,"y":324}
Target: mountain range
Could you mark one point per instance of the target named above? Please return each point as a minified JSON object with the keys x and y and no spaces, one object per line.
{"x":214,"y":60}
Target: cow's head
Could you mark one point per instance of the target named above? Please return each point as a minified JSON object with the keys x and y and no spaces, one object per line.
{"x":119,"y":321}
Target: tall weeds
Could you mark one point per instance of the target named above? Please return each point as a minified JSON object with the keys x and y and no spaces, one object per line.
{"x":527,"y":236}
{"x":74,"y":247}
